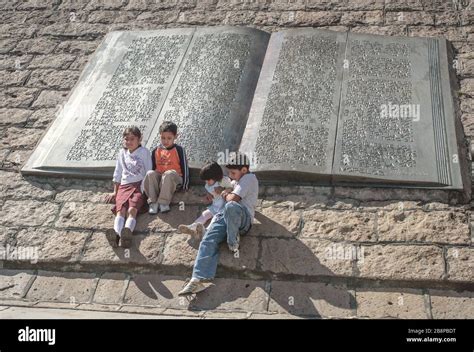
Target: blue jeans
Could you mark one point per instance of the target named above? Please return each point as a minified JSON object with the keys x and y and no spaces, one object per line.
{"x":233,"y":221}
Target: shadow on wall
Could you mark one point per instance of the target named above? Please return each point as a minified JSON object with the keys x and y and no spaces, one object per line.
{"x":308,"y":299}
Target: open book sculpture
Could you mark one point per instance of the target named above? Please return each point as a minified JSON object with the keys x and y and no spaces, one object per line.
{"x":307,"y":105}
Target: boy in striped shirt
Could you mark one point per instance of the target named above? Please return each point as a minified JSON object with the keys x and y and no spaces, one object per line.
{"x":169,"y":170}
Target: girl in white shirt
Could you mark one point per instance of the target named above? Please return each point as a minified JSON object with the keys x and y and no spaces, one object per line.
{"x":133,"y":162}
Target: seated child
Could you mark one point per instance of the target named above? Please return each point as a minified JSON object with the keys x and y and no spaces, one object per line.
{"x":133,"y":162}
{"x":233,"y":221}
{"x":169,"y":170}
{"x":216,"y":183}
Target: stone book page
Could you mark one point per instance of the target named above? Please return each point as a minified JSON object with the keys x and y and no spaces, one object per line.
{"x":211,"y":94}
{"x":345,"y":108}
{"x":291,"y":129}
{"x":203,"y":79}
{"x":395,"y":126}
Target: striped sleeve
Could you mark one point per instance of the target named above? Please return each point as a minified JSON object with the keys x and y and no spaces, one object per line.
{"x":183,"y":161}
{"x":153,"y":160}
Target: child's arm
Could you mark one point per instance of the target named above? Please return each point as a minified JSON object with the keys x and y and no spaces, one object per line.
{"x":116,"y":187}
{"x":118,"y":169}
{"x":217,"y":191}
{"x":116,"y":180}
{"x":148,"y":161}
{"x":208,"y":197}
{"x":232,"y":197}
{"x":221,"y":191}
{"x":227,"y":187}
{"x":237,"y":193}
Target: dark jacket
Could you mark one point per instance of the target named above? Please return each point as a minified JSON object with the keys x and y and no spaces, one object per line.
{"x":183,"y":162}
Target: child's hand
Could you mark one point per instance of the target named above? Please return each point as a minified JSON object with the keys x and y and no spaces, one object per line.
{"x":218,"y":190}
{"x":208,"y":198}
{"x":110,"y":198}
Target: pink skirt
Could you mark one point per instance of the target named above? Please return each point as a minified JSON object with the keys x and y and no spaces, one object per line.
{"x":129,"y":196}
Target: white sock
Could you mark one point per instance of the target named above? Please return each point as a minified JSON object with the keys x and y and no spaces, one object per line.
{"x":206,"y":215}
{"x":118,"y":224}
{"x":130,"y":223}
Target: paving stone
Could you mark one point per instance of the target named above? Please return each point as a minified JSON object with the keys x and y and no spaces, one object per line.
{"x":402,"y":262}
{"x":234,"y":295}
{"x":13,"y":185}
{"x":86,"y":215}
{"x":14,"y":116}
{"x":448,"y":226}
{"x":305,"y":257}
{"x":25,"y":138}
{"x":111,"y":288}
{"x":52,"y":246}
{"x":17,"y":97}
{"x":311,"y":299}
{"x":37,"y":46}
{"x":452,"y":304}
{"x":376,"y":304}
{"x":276,"y":222}
{"x":155,"y":290}
{"x":53,"y":79}
{"x":14,"y":283}
{"x":460,"y":264}
{"x":169,"y":221}
{"x":28,"y":213}
{"x":339,"y":225}
{"x":98,"y":250}
{"x":65,"y":287}
{"x":51,"y":99}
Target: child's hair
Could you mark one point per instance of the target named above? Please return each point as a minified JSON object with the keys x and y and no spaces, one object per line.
{"x":168,"y":126}
{"x":238,"y":161}
{"x":211,"y":171}
{"x":132,"y":130}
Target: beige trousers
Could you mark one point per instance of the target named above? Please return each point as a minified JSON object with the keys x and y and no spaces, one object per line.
{"x":161,"y":187}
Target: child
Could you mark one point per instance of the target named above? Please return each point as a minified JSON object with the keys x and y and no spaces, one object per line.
{"x":216,"y":183}
{"x":133,"y":162}
{"x":236,"y":219}
{"x":169,"y":170}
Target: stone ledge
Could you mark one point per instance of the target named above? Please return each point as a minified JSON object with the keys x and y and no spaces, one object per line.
{"x":156,"y":294}
{"x":260,"y":257}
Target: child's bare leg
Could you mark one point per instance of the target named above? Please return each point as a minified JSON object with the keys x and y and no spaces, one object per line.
{"x":205,"y":216}
{"x":196,"y":229}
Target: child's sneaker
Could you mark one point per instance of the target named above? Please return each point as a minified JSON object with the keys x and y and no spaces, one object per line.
{"x":192,"y":287}
{"x":164,"y":208}
{"x":200,"y":229}
{"x":126,"y":238}
{"x":235,"y":246}
{"x":153,"y":208}
{"x":196,"y":229}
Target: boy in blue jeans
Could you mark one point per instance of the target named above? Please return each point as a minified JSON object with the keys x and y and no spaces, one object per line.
{"x":234,"y":220}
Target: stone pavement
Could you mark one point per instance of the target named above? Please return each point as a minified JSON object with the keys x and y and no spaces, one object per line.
{"x":314,"y":252}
